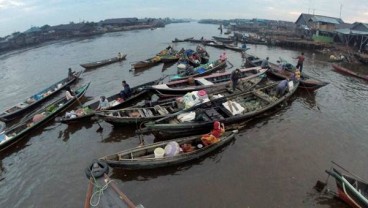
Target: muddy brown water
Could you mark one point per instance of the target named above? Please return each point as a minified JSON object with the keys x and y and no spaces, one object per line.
{"x":274,"y":162}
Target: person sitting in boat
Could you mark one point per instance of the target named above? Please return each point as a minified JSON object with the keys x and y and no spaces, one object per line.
{"x":297,"y":74}
{"x":71,"y":74}
{"x":104,"y":103}
{"x":69,"y":93}
{"x":282,"y":87}
{"x":264,"y":64}
{"x":120,"y":56}
{"x":223,"y":57}
{"x":126,"y":92}
{"x":214,"y":135}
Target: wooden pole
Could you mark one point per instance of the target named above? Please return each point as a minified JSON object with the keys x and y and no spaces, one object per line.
{"x":121,"y":194}
{"x":88,"y":194}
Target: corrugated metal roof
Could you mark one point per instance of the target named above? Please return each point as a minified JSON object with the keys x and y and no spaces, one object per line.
{"x":325,"y":19}
{"x":347,"y":31}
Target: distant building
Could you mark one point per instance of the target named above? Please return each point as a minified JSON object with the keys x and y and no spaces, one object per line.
{"x":318,"y":22}
{"x":355,"y":36}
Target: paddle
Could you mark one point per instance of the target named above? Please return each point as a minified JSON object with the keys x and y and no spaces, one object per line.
{"x":349,"y":172}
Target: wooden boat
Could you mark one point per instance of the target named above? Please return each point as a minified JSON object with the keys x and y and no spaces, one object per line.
{"x":97,"y":64}
{"x":223,"y":39}
{"x":16,"y":133}
{"x":88,"y":109}
{"x":349,"y":72}
{"x":168,"y":56}
{"x":287,"y":71}
{"x":137,"y":115}
{"x":112,"y":196}
{"x":361,"y":57}
{"x":176,"y":40}
{"x":147,"y":63}
{"x":205,"y":56}
{"x":200,"y":40}
{"x":180,"y":87}
{"x":225,"y":46}
{"x":232,"y":109}
{"x":144,"y":158}
{"x":36,"y":99}
{"x":351,"y":190}
{"x":161,"y":108}
{"x":252,"y":61}
{"x":201,"y":70}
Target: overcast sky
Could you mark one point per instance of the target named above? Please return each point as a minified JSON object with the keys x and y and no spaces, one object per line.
{"x":20,"y":15}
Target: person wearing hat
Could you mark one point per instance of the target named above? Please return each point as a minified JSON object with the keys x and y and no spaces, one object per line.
{"x":264,"y":64}
{"x":104,"y":103}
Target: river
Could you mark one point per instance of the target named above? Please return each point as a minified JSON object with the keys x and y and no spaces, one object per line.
{"x":274,"y":162}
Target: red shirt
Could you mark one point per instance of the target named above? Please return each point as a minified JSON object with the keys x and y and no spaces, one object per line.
{"x":300,"y":59}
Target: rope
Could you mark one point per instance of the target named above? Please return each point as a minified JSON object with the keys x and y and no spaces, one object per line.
{"x":99,"y":191}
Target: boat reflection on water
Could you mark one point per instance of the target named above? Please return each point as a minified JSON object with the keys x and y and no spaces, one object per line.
{"x":308,"y":98}
{"x":71,"y":129}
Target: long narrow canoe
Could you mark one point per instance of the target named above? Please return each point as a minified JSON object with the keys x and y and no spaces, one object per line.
{"x":144,"y":157}
{"x":161,"y":108}
{"x":137,"y":115}
{"x":349,"y":72}
{"x":180,"y":87}
{"x":88,"y":109}
{"x":97,"y":64}
{"x":16,"y":133}
{"x":306,"y":82}
{"x":286,"y":70}
{"x":147,"y":63}
{"x":36,"y":99}
{"x":351,"y":190}
{"x":232,"y":109}
{"x":201,"y":70}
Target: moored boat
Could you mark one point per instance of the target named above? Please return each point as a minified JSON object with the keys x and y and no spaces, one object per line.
{"x":104,"y":62}
{"x":226,"y":46}
{"x":180,"y":87}
{"x":231,"y":109}
{"x":16,"y":133}
{"x":147,"y":63}
{"x":144,"y":158}
{"x":201,"y":70}
{"x":176,"y":40}
{"x":85,"y":112}
{"x":137,"y":115}
{"x":284,"y":71}
{"x":349,"y":72}
{"x":350,"y":189}
{"x":36,"y":99}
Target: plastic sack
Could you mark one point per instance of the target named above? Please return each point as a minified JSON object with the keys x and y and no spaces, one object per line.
{"x":172,"y":149}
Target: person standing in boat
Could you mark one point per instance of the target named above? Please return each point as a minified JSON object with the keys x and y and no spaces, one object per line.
{"x":126,"y":92}
{"x":104,"y":103}
{"x":223,"y":57}
{"x":300,"y":62}
{"x":264,"y":64}
{"x":71,"y":74}
{"x":235,"y":75}
{"x":120,"y":56}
